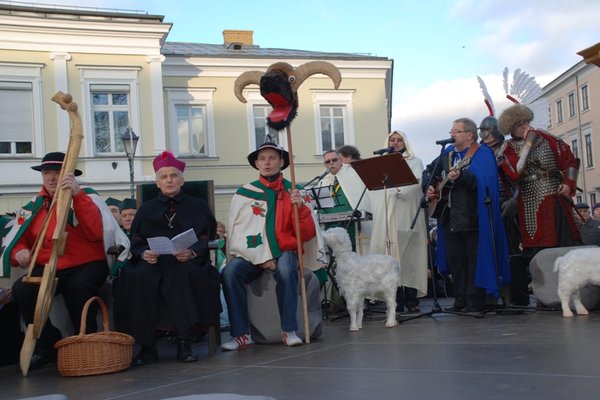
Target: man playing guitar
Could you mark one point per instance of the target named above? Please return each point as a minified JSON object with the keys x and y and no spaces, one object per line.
{"x":471,"y":217}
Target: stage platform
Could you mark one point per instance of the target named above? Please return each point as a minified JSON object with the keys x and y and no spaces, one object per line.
{"x":535,"y":355}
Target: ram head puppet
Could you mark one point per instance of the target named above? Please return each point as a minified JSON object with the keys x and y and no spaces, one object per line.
{"x":279,"y":86}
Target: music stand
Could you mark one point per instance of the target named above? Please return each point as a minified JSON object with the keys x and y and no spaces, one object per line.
{"x":388,"y":171}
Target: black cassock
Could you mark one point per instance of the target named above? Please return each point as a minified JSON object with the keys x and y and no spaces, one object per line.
{"x":170,"y":294}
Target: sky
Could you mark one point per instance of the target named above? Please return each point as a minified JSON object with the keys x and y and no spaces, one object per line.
{"x":438,"y":46}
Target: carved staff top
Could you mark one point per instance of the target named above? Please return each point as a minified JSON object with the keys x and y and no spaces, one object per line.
{"x":279,"y":86}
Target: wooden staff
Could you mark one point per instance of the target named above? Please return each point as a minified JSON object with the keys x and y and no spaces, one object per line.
{"x":298,"y":240}
{"x":61,"y":204}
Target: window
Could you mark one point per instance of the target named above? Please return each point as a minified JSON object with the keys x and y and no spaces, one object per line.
{"x":335,"y":118}
{"x":588,"y":151}
{"x":262,"y":132}
{"x":258,"y":131}
{"x":332,"y":127}
{"x":559,"y":114}
{"x":110,"y":111}
{"x":191,"y":129}
{"x":111,"y":104}
{"x":578,"y":199}
{"x":575,"y":148}
{"x":22,"y":133}
{"x":592,"y":199}
{"x":191,"y":122}
{"x":571,"y":105}
{"x":550,"y":119}
{"x":16,"y":114}
{"x":585,"y":101}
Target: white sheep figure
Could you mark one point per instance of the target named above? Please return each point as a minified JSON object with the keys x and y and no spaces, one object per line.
{"x":576,"y":269}
{"x":374,"y":275}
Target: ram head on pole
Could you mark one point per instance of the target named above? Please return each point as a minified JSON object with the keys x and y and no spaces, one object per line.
{"x":279,"y":86}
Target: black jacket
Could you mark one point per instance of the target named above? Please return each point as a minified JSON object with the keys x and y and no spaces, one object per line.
{"x":461,"y":213}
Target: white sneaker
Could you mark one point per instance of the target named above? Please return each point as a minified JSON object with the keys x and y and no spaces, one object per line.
{"x":238,"y":342}
{"x":291,"y":339}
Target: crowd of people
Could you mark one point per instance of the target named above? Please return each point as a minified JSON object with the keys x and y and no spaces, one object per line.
{"x":499,"y":193}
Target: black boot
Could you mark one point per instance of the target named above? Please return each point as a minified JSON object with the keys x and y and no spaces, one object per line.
{"x":148,"y":354}
{"x":185,"y":352}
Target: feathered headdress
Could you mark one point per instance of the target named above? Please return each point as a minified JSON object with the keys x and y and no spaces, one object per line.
{"x":486,"y":96}
{"x":525,"y":90}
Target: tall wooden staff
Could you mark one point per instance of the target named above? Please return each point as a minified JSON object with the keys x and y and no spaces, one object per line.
{"x":61,"y":203}
{"x":279,"y":86}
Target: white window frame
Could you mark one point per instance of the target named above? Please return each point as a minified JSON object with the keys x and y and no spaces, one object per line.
{"x":575,"y":147}
{"x":109,"y":76}
{"x":571,"y":97}
{"x":334,"y":98}
{"x":29,"y":73}
{"x":559,"y":112}
{"x":589,"y":149}
{"x":192,"y":97}
{"x":254,"y":98}
{"x":585,"y":97}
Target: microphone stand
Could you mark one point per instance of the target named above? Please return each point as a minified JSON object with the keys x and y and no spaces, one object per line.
{"x":503,"y":308}
{"x":424,"y":205}
{"x":316,"y":178}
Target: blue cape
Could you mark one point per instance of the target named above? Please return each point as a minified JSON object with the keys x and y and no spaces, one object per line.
{"x":483,"y":165}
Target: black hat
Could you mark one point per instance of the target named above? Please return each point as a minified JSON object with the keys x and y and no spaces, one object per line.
{"x":53,"y":161}
{"x":582,"y":206}
{"x":127,"y":204}
{"x":111,"y":201}
{"x":252,"y":157}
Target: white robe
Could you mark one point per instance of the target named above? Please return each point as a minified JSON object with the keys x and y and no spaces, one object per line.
{"x":408,"y":246}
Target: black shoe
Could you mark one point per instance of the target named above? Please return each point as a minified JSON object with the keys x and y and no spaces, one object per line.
{"x":414,"y":309}
{"x":147,"y":355}
{"x":185,"y":352}
{"x":454,"y":309}
{"x":471,"y":309}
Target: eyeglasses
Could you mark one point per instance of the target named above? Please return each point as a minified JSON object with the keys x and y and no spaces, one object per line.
{"x":331,"y":160}
{"x":458,"y":131}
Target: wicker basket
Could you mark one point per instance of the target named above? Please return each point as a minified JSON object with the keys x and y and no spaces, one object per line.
{"x":95,"y":353}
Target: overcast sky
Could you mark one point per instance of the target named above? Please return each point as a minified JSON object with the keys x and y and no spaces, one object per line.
{"x":438,"y":46}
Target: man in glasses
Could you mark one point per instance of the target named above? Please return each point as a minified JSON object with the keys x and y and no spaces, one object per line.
{"x":346,"y":189}
{"x":332,"y":160}
{"x":471,"y":222}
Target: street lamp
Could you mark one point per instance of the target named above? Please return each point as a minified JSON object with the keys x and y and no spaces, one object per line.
{"x":130,"y":140}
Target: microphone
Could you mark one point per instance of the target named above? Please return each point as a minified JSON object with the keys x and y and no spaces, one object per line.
{"x":318,"y":178}
{"x":445,"y":141}
{"x":383,"y":151}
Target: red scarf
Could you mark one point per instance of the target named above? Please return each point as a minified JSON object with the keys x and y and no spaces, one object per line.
{"x":284,"y":216}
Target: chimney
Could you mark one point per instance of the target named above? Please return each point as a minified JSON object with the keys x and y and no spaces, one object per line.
{"x":237,"y":38}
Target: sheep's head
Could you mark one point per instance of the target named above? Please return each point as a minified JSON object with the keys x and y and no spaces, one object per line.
{"x":279,"y":86}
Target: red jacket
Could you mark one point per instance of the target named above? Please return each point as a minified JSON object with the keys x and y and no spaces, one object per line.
{"x":84,"y":242}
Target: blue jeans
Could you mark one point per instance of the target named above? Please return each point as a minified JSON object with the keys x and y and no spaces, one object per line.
{"x":239,"y":272}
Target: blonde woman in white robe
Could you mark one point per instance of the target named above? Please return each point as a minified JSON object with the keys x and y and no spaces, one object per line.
{"x":408,"y":245}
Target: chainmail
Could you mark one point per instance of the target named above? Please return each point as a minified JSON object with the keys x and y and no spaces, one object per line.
{"x":541,"y":159}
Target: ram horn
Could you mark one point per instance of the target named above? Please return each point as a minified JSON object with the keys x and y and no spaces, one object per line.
{"x":245,"y":79}
{"x":317,"y":67}
{"x":281,"y":66}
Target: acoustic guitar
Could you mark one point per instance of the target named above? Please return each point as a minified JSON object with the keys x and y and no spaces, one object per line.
{"x":438,"y":205}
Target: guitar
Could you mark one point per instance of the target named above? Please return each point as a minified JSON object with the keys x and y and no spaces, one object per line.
{"x":437,"y":206}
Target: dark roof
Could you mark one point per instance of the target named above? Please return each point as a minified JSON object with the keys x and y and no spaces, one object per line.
{"x":220,"y":50}
{"x":82,"y":12}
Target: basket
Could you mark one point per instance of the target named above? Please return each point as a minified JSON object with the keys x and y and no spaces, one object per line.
{"x":95,"y":353}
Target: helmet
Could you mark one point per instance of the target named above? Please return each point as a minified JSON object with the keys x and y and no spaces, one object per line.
{"x":489,"y":125}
